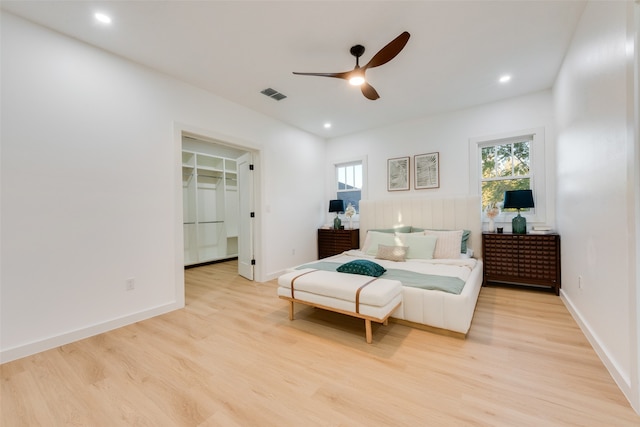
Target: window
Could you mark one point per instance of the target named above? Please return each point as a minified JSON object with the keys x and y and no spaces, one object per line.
{"x":510,"y":161}
{"x":349,"y":179}
{"x":505,"y":165}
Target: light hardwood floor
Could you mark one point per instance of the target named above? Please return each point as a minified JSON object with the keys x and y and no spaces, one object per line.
{"x":232,"y":358}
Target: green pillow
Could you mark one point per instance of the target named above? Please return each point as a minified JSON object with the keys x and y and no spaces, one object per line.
{"x":420,"y":246}
{"x":363,"y":267}
{"x":465,"y":238}
{"x":399,"y":229}
{"x":375,"y":238}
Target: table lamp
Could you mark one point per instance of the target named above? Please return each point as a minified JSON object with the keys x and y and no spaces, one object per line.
{"x":336,"y":206}
{"x":518,"y":199}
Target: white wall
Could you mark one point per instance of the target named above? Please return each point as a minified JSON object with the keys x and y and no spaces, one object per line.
{"x":596,"y":186}
{"x":450,"y":135}
{"x":90,"y":187}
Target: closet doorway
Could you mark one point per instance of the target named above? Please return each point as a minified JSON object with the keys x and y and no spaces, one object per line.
{"x":217,"y":201}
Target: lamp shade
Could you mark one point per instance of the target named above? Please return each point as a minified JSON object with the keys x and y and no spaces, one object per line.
{"x":336,"y":206}
{"x":518,"y":199}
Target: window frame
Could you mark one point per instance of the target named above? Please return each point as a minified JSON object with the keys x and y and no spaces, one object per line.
{"x":537,"y":173}
{"x":334,"y":181}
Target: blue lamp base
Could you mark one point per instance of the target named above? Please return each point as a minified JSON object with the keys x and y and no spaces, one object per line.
{"x":519,"y":225}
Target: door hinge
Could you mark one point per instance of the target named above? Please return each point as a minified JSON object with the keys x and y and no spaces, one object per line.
{"x":252,"y":214}
{"x":253,"y":262}
{"x":250,"y":167}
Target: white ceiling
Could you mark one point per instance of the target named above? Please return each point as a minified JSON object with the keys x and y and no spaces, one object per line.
{"x":235,"y":49}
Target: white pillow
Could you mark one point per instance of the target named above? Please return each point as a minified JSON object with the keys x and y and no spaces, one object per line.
{"x":420,"y":245}
{"x":391,"y":253}
{"x":448,"y":244}
{"x":375,"y":238}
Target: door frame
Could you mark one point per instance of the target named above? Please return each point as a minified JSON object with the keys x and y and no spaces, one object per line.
{"x":181,"y":129}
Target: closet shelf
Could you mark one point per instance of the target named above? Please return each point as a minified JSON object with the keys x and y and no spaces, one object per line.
{"x":206,"y":168}
{"x":210,"y":186}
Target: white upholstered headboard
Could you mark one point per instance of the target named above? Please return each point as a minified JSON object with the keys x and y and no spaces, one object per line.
{"x":454,"y":213}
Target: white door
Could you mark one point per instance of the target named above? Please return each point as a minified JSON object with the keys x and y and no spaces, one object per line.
{"x":245,"y":221}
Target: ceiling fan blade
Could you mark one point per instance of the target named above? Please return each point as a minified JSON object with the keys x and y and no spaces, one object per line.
{"x":389,"y":52}
{"x":344,"y":75}
{"x":369,"y":91}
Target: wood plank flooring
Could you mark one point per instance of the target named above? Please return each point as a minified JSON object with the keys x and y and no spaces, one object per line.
{"x":232,"y":358}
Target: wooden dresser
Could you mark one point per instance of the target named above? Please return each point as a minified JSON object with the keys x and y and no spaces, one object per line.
{"x":528,"y":259}
{"x":332,"y":242}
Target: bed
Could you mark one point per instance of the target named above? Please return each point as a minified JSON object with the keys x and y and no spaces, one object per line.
{"x":445,"y":303}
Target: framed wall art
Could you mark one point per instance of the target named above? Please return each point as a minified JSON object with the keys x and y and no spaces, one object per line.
{"x":427,"y":170}
{"x":398,"y":174}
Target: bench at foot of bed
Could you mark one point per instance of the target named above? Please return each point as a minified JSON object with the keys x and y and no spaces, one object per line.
{"x":364,"y":297}
{"x":367,"y":319}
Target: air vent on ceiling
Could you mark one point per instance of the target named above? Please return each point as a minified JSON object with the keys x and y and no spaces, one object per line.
{"x":272,"y":93}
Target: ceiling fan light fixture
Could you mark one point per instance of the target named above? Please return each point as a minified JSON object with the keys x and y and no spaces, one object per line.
{"x":356,"y":76}
{"x":356,"y":80}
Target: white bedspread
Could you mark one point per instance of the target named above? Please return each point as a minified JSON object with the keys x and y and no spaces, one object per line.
{"x":435,"y":308}
{"x":460,"y":268}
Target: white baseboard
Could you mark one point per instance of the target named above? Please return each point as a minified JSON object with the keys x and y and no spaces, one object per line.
{"x":623,"y":381}
{"x":274,"y":275}
{"x":56,"y":341}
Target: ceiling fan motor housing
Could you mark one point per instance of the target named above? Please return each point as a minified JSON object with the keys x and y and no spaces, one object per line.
{"x":357,"y":50}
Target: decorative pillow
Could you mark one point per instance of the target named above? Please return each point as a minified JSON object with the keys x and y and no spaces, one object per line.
{"x":465,"y":240}
{"x":397,"y":229}
{"x":392,"y":253}
{"x":421,"y":246}
{"x":465,"y":237}
{"x":448,"y":244}
{"x":375,"y":238}
{"x":363,"y":267}
{"x":417,"y":233}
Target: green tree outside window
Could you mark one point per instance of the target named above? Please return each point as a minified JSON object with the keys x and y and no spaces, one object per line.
{"x":505,"y":167}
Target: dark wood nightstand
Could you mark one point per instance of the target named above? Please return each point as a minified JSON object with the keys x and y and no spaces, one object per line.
{"x":527,"y":259}
{"x":332,"y":242}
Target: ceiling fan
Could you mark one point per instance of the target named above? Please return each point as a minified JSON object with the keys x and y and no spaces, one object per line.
{"x":356,"y":76}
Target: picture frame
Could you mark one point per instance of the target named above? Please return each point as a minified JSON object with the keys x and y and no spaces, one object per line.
{"x":398,"y":174}
{"x":426,"y":171}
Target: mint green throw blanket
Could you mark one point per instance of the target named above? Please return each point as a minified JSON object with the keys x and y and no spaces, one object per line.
{"x":452,"y":285}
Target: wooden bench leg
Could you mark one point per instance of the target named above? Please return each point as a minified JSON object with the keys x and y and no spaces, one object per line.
{"x":367,"y":328}
{"x":290,"y":310}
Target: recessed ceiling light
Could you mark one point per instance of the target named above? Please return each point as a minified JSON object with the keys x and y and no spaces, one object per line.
{"x":327,"y":125}
{"x":505,"y":78}
{"x":101,"y":17}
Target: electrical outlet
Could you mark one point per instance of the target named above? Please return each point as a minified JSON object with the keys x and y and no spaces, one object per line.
{"x":580,"y":284}
{"x":130,"y":284}
{"x":293,"y":251}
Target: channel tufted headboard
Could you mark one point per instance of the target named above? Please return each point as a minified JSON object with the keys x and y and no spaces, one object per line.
{"x":455,"y":212}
